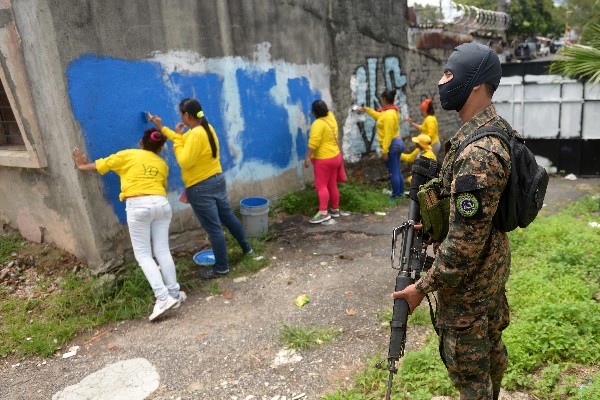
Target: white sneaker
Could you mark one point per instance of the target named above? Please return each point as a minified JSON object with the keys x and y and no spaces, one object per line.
{"x":161,"y":307}
{"x":181,"y":297}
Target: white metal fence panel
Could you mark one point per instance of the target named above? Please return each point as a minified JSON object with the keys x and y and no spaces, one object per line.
{"x":548,"y":106}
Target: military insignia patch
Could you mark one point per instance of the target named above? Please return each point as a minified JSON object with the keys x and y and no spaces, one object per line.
{"x":467,"y":204}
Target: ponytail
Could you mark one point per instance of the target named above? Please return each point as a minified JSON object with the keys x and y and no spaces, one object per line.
{"x":194,"y":109}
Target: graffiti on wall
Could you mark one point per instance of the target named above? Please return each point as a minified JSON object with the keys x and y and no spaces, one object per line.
{"x":367,"y":83}
{"x":259,"y":109}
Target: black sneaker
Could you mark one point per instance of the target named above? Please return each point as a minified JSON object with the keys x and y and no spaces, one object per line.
{"x":211,"y":273}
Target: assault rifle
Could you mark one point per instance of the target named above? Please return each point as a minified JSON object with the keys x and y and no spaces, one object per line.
{"x":412,"y":260}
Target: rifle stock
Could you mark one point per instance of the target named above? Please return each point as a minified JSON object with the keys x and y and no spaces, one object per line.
{"x":412,"y":260}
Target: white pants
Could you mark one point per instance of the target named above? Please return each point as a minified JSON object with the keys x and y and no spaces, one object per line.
{"x":148,"y":218}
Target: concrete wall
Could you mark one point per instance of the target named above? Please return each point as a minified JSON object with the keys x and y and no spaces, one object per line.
{"x":256,"y":66}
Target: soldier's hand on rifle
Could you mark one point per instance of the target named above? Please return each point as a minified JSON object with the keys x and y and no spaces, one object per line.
{"x":412,"y":296}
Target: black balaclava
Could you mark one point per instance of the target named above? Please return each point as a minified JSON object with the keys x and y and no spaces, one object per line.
{"x":471,"y":64}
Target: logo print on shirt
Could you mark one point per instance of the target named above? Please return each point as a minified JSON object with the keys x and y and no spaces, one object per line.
{"x":150,"y":171}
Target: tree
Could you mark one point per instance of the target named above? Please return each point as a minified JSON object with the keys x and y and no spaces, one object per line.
{"x":582,"y":12}
{"x":528,"y":16}
{"x":532,"y":17}
{"x":581,"y":61}
{"x":428,"y":14}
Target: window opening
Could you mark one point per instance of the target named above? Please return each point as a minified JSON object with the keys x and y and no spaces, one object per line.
{"x":10,"y":134}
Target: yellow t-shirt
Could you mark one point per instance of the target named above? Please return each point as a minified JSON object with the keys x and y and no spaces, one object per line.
{"x":323,"y":137}
{"x":387,"y":126}
{"x":410,"y":157}
{"x":142,"y":172}
{"x":193,"y":153}
{"x":430,"y":128}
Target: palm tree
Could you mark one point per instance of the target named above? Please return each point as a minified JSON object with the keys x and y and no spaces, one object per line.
{"x":581,"y":61}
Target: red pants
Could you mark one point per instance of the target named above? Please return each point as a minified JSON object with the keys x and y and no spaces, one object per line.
{"x":326,"y":172}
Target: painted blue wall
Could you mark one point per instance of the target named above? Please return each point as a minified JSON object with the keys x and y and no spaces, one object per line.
{"x":109,"y":95}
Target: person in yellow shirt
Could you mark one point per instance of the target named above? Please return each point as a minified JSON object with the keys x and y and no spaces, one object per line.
{"x":143,"y":176}
{"x":429,"y":125}
{"x":326,"y":157}
{"x":197,"y":152}
{"x":388,"y":135}
{"x":423,"y":149}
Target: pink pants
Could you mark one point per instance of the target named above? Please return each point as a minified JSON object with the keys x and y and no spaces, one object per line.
{"x":326,"y":171}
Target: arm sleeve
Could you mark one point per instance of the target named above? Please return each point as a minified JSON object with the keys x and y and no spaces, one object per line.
{"x":479,"y":178}
{"x":372,"y":113}
{"x":173,"y":136}
{"x":110,"y":163}
{"x":409,"y":157}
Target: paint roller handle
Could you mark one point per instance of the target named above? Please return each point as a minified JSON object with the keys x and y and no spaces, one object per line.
{"x":156,"y":120}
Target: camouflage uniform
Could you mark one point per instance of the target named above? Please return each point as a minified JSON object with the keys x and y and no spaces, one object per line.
{"x":472,"y":263}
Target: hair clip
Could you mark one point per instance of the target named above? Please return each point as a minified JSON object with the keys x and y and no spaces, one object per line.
{"x":156,"y":136}
{"x":200,"y":114}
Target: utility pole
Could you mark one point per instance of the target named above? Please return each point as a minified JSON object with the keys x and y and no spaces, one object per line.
{"x":567,"y":29}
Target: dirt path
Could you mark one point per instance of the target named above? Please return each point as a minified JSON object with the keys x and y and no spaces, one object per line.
{"x":218,"y":348}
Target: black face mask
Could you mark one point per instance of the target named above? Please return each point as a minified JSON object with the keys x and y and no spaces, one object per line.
{"x":471,"y":64}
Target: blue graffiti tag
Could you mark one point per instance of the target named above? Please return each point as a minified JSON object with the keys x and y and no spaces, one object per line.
{"x":109,"y":97}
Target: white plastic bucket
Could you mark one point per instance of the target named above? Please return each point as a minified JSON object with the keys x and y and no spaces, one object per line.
{"x":255,"y":215}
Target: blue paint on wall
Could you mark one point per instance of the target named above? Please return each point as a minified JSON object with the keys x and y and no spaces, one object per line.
{"x":108,"y":95}
{"x":300,"y":92}
{"x":266,"y":137}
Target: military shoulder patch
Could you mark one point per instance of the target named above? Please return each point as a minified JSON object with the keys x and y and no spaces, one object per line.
{"x":467,"y":204}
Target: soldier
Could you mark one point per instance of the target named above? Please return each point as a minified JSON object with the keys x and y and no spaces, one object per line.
{"x":472,"y":263}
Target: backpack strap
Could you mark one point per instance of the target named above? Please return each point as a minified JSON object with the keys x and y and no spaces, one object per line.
{"x":482,"y":132}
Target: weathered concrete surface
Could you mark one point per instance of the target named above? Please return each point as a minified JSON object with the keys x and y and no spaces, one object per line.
{"x":133,"y":379}
{"x":319,"y":45}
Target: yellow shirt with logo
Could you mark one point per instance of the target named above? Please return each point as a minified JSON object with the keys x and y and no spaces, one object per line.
{"x":323,"y":137}
{"x":194,"y":155}
{"x":388,"y":125}
{"x":430,"y":128}
{"x":142,"y":172}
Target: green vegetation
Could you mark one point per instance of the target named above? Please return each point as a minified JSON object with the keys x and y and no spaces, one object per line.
{"x":581,"y":60}
{"x":554,"y":336}
{"x":299,"y":337}
{"x":8,"y":244}
{"x":42,"y":325}
{"x":420,"y":316}
{"x":79,"y":302}
{"x":354,"y":197}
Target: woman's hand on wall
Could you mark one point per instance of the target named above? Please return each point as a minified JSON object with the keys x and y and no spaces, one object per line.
{"x":81,"y":161}
{"x":408,"y":119}
{"x":78,"y":157}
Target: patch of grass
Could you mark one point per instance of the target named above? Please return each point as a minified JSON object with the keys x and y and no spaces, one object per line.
{"x":354,"y":197}
{"x":244,"y":264}
{"x":9,"y":244}
{"x":42,"y":325}
{"x":214,"y":289}
{"x":420,"y":316}
{"x":302,"y":337}
{"x":554,"y":336}
{"x":421,"y":375}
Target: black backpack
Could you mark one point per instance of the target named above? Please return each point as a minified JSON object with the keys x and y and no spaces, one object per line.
{"x":524,"y":194}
